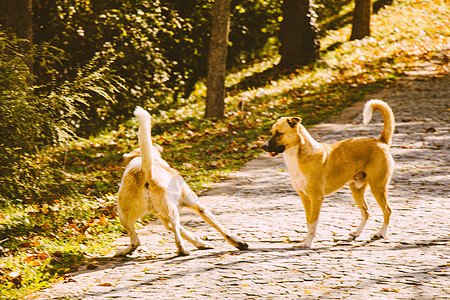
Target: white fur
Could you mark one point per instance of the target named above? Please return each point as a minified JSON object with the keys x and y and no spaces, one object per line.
{"x":145,"y":140}
{"x":310,"y":234}
{"x":149,"y":184}
{"x":315,"y":145}
{"x":298,"y":179}
{"x":368,"y":110}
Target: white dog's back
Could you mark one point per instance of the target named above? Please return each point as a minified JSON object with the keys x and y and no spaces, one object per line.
{"x":149,"y":184}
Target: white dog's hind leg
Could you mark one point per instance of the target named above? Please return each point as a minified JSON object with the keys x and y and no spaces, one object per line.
{"x":186,"y":234}
{"x":211,"y":219}
{"x":173,"y":219}
{"x":134,"y":240}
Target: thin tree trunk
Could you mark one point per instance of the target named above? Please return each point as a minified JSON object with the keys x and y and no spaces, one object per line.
{"x":361,"y":19}
{"x":17,"y":16}
{"x":215,"y":82}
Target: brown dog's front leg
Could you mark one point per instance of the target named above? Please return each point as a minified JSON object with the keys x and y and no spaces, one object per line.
{"x":312,"y":220}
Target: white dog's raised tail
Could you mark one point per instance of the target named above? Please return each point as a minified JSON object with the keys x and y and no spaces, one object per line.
{"x":145,"y":140}
{"x":388,"y":118}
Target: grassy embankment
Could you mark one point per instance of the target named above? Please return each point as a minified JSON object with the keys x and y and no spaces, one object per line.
{"x":41,"y":243}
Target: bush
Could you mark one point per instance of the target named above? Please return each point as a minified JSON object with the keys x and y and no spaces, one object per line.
{"x":33,"y":119}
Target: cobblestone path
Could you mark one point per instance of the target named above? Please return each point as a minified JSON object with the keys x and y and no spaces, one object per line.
{"x":260,"y":204}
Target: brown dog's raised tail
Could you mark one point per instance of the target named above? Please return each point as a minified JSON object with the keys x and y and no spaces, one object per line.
{"x":388,"y":118}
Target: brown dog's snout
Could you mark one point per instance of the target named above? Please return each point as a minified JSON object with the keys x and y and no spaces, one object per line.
{"x":273,"y":147}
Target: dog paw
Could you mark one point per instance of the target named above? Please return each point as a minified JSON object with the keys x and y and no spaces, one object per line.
{"x":377,"y":236}
{"x":183,"y":253}
{"x":123,"y":252}
{"x":305,"y":245}
{"x":352,"y":237}
{"x":205,"y":246}
{"x":242,"y":246}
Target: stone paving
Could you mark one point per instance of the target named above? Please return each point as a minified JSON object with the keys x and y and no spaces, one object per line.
{"x":260,"y":204}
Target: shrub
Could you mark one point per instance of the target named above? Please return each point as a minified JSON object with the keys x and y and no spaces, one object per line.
{"x":31,"y":119}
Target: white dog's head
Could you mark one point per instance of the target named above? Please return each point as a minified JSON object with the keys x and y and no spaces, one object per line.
{"x":157,"y":150}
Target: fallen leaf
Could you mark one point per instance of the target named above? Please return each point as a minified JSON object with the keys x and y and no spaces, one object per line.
{"x":105,"y":284}
{"x":15,"y":278}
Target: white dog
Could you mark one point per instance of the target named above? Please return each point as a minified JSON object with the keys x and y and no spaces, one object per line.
{"x":149,"y":184}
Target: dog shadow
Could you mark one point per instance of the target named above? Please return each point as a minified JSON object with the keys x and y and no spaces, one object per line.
{"x":94,"y":264}
{"x":292,"y":250}
{"x":281,"y":250}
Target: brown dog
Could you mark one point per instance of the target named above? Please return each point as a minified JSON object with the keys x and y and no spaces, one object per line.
{"x":149,"y":184}
{"x":318,"y":169}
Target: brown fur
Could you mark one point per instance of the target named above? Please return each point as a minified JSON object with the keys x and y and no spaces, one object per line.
{"x":319,"y":169}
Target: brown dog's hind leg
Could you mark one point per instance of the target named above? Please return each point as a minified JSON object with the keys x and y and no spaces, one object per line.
{"x":380,"y":194}
{"x":358,"y":195}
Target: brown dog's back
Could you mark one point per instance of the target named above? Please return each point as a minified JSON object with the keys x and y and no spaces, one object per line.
{"x":352,"y":156}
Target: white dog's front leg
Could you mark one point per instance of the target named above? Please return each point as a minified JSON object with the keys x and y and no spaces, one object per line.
{"x":174,"y":221}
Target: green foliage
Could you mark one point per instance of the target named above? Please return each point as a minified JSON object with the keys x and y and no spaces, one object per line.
{"x":161,"y":46}
{"x":25,"y":123}
{"x":254,"y":24}
{"x":333,"y":14}
{"x":39,"y":243}
{"x":35,"y":118}
{"x":131,"y":30}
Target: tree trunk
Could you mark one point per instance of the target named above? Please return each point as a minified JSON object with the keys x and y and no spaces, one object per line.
{"x":298,"y":34}
{"x":215,"y":81}
{"x":361,"y":19}
{"x":17,"y":16}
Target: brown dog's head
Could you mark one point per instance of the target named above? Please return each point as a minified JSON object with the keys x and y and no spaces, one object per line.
{"x":284,"y":136}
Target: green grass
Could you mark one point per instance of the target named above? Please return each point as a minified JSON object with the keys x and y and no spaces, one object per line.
{"x":40,"y":243}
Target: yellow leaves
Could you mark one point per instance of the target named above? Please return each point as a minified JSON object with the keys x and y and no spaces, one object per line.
{"x":388,"y":289}
{"x":217,"y":164}
{"x":36,"y":259}
{"x":103,"y":220}
{"x":15,"y":278}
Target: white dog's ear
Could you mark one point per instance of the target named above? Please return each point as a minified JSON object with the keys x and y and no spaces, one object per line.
{"x":294,"y":121}
{"x":129,"y":156}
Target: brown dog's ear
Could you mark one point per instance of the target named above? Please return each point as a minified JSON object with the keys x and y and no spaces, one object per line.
{"x":294,"y":121}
